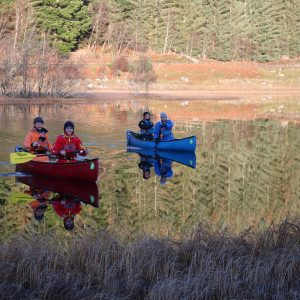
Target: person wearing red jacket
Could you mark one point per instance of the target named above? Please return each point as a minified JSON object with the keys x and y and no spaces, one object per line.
{"x":68,"y":145}
{"x":66,"y":209}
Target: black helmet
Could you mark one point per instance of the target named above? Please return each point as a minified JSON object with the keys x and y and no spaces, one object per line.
{"x":69,"y":226}
{"x":38,"y":216}
{"x":146,"y":174}
{"x":69,"y":124}
{"x":38,"y":120}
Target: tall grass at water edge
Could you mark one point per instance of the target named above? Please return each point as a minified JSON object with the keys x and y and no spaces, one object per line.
{"x":208,"y":265}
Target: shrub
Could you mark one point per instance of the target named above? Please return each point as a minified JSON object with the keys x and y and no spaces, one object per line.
{"x":120,"y":64}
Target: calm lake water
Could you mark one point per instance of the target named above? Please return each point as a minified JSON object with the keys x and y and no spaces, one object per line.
{"x":247,"y":172}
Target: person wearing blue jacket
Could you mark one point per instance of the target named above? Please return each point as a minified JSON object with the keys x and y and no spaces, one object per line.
{"x":163,"y":129}
{"x":163,"y":168}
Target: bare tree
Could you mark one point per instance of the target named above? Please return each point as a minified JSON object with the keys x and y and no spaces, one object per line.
{"x":35,"y":69}
{"x":6,"y":20}
{"x":8,"y":72}
{"x":100,"y":23}
{"x":142,"y":73}
{"x":116,"y":37}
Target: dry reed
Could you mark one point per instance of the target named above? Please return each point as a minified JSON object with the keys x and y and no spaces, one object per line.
{"x":208,"y":265}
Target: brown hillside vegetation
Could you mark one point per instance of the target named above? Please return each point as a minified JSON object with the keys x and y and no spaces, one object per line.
{"x":207,"y":70}
{"x":176,"y":71}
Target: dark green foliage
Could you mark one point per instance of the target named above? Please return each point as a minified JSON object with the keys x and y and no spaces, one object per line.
{"x":267,"y":23}
{"x":292,"y":26}
{"x":65,"y":21}
{"x":219,"y":29}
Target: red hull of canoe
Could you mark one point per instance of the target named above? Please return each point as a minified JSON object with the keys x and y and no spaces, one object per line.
{"x":86,"y":192}
{"x":86,"y":170}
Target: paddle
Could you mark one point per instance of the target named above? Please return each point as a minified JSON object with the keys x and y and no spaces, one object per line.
{"x":17,"y":197}
{"x":23,"y":157}
{"x":26,"y":156}
{"x":157,"y":140}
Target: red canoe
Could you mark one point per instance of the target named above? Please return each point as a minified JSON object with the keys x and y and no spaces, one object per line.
{"x":86,"y":192}
{"x":85,"y":170}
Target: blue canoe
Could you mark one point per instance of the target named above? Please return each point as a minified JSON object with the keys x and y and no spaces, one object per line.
{"x":186,"y":144}
{"x":187,"y":158}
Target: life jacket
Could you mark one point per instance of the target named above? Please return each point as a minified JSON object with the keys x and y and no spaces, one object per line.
{"x":164,"y":131}
{"x":39,"y":194}
{"x":163,"y":167}
{"x":146,"y":126}
{"x":70,"y":143}
{"x":35,"y":204}
{"x":39,"y":136}
{"x":66,"y":207}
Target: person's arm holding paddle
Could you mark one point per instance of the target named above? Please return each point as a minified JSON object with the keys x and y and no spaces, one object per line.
{"x":37,"y":141}
{"x":157,"y":131}
{"x":68,"y":145}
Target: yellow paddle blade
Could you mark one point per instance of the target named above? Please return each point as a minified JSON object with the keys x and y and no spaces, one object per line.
{"x":21,"y":157}
{"x":16,"y":197}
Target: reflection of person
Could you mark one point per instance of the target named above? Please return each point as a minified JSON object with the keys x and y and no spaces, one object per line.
{"x":37,"y":141}
{"x":67,"y":145}
{"x":39,"y":204}
{"x":146,"y":127}
{"x":66,"y":209}
{"x":163,"y":168}
{"x":163,"y":129}
{"x":146,"y":163}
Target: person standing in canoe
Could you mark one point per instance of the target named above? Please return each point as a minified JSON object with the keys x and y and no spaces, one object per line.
{"x":147,"y":127}
{"x":163,"y":129}
{"x":68,"y":145}
{"x":37,"y":141}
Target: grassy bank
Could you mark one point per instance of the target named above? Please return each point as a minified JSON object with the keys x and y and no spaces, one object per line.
{"x":175,"y":72}
{"x":208,"y":265}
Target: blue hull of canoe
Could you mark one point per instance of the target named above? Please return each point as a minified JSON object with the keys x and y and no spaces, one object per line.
{"x":183,"y":157}
{"x":186,"y":144}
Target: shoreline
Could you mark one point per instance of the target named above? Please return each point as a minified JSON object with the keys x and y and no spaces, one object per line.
{"x":98,"y":95}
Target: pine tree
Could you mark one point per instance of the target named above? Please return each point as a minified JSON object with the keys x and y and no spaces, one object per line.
{"x":241,"y":31}
{"x":189,"y":21}
{"x":169,"y":19}
{"x":293,"y":28}
{"x":224,"y":28}
{"x":208,"y":30}
{"x":65,"y":21}
{"x":266,"y":20}
{"x":152,"y":25}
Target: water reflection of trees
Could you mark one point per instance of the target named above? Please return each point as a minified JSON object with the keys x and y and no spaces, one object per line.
{"x":247,"y":173}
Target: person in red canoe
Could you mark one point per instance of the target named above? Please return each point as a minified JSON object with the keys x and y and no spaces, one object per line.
{"x":68,"y":145}
{"x":38,"y":205}
{"x":66,"y":209}
{"x":36,"y":140}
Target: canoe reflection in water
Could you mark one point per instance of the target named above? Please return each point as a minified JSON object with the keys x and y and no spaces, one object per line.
{"x":162,"y":162}
{"x":65,"y":197}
